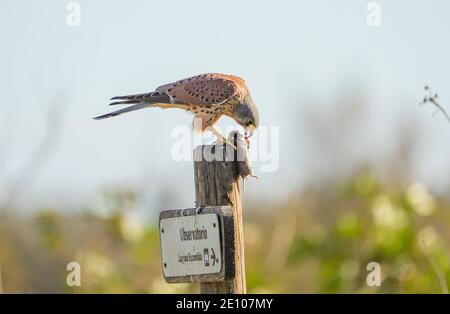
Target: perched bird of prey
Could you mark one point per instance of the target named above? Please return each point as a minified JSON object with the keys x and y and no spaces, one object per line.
{"x":208,"y":96}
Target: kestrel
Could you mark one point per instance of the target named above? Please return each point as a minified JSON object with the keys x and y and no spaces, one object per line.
{"x":208,"y":96}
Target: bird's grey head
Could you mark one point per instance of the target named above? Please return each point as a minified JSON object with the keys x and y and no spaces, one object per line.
{"x":246,"y":114}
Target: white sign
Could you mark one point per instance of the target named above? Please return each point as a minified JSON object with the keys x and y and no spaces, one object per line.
{"x":190,"y":245}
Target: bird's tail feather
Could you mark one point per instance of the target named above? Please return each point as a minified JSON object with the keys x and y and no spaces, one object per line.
{"x":138,"y":106}
{"x":125,"y":102}
{"x":138,"y":101}
{"x":152,"y":97}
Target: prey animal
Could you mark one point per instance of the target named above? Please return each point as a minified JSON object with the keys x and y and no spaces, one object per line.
{"x":208,"y":96}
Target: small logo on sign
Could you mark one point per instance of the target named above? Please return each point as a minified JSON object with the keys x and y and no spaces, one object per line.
{"x":206,"y":257}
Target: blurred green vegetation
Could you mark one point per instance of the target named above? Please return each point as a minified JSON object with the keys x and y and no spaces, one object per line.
{"x":319,"y":240}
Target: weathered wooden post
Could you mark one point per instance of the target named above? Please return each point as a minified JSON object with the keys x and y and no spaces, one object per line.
{"x":217,"y":183}
{"x":206,"y":244}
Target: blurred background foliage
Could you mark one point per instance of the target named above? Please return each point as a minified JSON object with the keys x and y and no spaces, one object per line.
{"x":320,"y":239}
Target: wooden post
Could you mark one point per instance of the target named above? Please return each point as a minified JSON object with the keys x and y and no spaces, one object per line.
{"x":217,"y":183}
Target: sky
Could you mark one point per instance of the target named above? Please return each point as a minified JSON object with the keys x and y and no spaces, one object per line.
{"x":296,"y":56}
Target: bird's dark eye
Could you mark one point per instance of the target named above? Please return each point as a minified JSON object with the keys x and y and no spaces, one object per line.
{"x":249,"y":123}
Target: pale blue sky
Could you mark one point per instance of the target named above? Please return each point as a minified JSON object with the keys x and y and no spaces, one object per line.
{"x":292,"y":54}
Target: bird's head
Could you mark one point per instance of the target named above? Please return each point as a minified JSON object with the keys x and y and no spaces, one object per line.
{"x":247,"y":115}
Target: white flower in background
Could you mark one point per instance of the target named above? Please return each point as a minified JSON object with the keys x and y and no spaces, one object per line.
{"x":420,"y":199}
{"x":131,"y":227}
{"x":386,"y":214}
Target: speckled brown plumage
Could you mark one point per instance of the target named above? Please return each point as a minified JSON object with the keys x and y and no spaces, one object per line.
{"x":208,"y":96}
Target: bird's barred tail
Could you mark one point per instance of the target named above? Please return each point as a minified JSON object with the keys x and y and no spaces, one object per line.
{"x":152,"y":97}
{"x":139,"y":101}
{"x":124,"y":110}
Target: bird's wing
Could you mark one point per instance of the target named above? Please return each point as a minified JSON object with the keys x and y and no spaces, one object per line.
{"x":202,"y":90}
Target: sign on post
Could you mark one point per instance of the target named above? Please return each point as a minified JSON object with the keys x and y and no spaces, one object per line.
{"x":196,"y":244}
